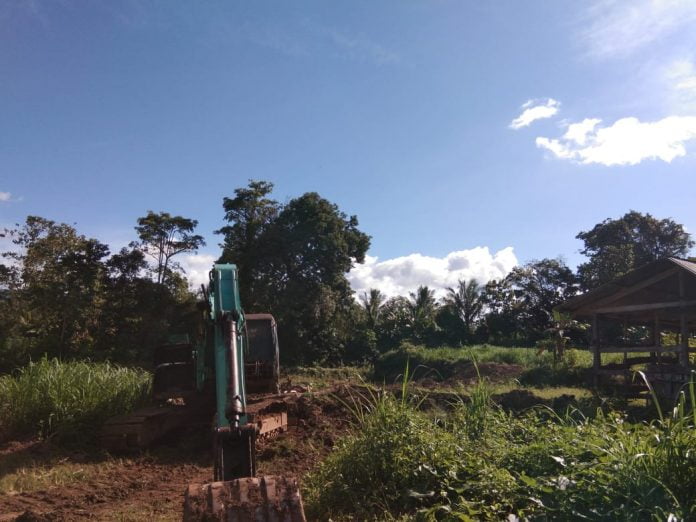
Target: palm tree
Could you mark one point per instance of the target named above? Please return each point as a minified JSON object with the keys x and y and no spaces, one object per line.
{"x":466,"y":301}
{"x":423,"y":308}
{"x":372,"y":302}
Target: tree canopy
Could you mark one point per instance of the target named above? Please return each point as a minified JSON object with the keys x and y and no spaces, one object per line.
{"x":616,"y":246}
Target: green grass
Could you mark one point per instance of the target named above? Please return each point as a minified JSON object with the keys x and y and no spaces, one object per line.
{"x":68,"y":400}
{"x":478,"y":462}
{"x":538,"y":369}
{"x":317,"y":378}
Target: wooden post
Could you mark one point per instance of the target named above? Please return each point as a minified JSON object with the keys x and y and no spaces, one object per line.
{"x":684,"y":326}
{"x":596,"y":356}
{"x":657,"y":337}
{"x":624,"y":329}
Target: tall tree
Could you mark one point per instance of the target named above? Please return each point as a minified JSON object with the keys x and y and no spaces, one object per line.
{"x":616,"y":246}
{"x":299,"y":255}
{"x":248,"y":215}
{"x":163,"y":236}
{"x":466,"y":302}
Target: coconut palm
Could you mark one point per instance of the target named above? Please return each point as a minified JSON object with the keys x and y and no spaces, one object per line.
{"x":423,"y":308}
{"x":466,"y":301}
{"x":372,"y":301}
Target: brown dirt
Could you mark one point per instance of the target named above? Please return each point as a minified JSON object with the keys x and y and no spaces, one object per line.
{"x":151,"y":485}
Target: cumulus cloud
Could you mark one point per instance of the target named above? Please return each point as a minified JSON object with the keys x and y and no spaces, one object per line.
{"x":401,"y":275}
{"x":627,"y":141}
{"x":197,"y":267}
{"x":535,"y":110}
{"x":5,"y":196}
{"x":614,"y":28}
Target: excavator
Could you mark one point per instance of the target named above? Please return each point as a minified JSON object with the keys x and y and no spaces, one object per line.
{"x":229,"y":375}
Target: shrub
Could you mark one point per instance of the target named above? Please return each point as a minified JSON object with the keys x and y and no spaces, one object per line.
{"x":480,"y":463}
{"x":394,"y":460}
{"x":68,"y":400}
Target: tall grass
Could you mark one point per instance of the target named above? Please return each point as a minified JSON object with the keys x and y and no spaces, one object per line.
{"x":68,"y":399}
{"x":481,"y":463}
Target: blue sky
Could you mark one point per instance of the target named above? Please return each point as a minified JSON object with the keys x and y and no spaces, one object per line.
{"x":409,"y":114}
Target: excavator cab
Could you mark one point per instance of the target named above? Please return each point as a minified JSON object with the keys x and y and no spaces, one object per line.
{"x":262,"y":364}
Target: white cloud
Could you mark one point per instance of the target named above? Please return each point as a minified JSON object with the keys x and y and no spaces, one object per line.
{"x":627,"y":141}
{"x":197,"y":267}
{"x":404,"y":274}
{"x":615,"y":28}
{"x":535,"y":110}
{"x":5,"y":196}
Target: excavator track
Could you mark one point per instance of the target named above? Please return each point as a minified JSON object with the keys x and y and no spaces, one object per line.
{"x":254,"y":499}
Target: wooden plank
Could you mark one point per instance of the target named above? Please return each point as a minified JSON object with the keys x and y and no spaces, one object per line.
{"x":684,"y":326}
{"x":611,"y":371}
{"x":633,"y":349}
{"x":645,"y":307}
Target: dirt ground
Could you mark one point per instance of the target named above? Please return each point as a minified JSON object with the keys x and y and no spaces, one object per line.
{"x":150,"y":486}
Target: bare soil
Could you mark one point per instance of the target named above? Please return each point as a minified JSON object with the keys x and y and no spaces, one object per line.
{"x":150,"y":486}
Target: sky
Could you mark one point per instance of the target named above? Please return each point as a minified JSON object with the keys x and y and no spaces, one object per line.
{"x":468,"y":137}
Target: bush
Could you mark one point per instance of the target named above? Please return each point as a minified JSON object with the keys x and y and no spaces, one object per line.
{"x":68,"y":400}
{"x":480,"y":463}
{"x":396,"y":454}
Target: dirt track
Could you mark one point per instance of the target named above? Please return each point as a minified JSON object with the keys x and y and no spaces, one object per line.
{"x":151,"y":486}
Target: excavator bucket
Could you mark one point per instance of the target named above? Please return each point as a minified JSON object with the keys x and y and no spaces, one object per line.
{"x":256,"y":499}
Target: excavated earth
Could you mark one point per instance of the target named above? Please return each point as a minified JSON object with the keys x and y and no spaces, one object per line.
{"x":151,"y":485}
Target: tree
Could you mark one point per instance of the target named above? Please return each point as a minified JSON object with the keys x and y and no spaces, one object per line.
{"x":299,"y":259}
{"x":423,"y":308}
{"x":395,"y":323}
{"x":519,"y":309}
{"x":248,"y":214}
{"x":537,"y":288}
{"x":616,"y":246}
{"x":372,"y":304}
{"x":466,"y":303}
{"x":54,"y":283}
{"x":163,"y":236}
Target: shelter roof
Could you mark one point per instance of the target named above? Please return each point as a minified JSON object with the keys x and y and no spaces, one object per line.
{"x":637,"y":291}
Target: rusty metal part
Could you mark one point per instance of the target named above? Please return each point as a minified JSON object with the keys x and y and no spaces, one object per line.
{"x":145,"y":426}
{"x":141,"y":428}
{"x":262,"y":499}
{"x":270,"y":424}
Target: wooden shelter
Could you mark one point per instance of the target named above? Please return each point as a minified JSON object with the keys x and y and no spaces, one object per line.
{"x":647,"y":315}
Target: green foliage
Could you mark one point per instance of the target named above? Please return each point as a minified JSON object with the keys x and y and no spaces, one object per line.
{"x":62,"y":297}
{"x":480,"y":463}
{"x":162,"y":237}
{"x":69,"y":400}
{"x":539,"y":368}
{"x":616,"y":246}
{"x":296,"y":257}
{"x":394,"y":454}
{"x":466,"y":303}
{"x":521,"y":306}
